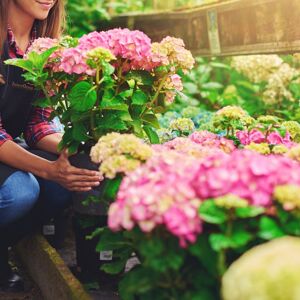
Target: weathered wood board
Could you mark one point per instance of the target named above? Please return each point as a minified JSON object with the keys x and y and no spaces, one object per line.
{"x":229,"y":28}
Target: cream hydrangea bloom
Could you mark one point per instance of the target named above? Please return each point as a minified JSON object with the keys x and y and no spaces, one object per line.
{"x":266,"y":272}
{"x":288,"y":196}
{"x":257,"y":68}
{"x":231,"y":201}
{"x":262,"y":148}
{"x":294,"y":153}
{"x":119,"y":153}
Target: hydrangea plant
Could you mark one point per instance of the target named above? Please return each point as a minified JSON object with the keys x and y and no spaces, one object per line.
{"x":115,"y":80}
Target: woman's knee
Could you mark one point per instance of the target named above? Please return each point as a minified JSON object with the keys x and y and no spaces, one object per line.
{"x":18,"y":195}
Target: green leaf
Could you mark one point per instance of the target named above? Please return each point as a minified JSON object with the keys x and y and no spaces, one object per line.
{"x":111,"y":187}
{"x":211,"y":213}
{"x":138,"y":281}
{"x":212,"y":86}
{"x":79,"y":132}
{"x":219,"y":65}
{"x":219,"y":241}
{"x":73,"y":147}
{"x":137,"y":127}
{"x":141,"y":77}
{"x":126,"y":94}
{"x":110,"y":122}
{"x":139,"y":98}
{"x":21,"y":63}
{"x":151,"y":119}
{"x":111,"y":102}
{"x":107,"y":68}
{"x":269,"y":229}
{"x":82,"y":96}
{"x":114,"y":267}
{"x":111,"y":241}
{"x":152,"y":247}
{"x":123,"y":115}
{"x":191,"y":88}
{"x":152,"y":135}
{"x":249,"y":212}
{"x":240,"y":238}
{"x":42,"y":102}
{"x":42,"y":60}
{"x":203,"y":251}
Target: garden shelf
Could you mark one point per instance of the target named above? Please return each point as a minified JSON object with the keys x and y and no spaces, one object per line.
{"x":230,"y":28}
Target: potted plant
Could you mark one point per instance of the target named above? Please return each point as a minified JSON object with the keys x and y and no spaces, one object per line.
{"x":109,"y":81}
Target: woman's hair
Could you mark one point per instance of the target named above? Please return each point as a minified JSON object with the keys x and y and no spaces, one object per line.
{"x":51,"y":27}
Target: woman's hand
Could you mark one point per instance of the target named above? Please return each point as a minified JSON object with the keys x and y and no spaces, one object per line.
{"x":72,"y":178}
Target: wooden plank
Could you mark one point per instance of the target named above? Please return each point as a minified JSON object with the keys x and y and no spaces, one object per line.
{"x":49,"y":271}
{"x":229,"y":28}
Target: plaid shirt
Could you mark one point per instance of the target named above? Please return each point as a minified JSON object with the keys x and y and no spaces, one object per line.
{"x":38,"y":125}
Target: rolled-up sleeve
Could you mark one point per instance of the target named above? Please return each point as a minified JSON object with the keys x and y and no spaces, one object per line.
{"x":39,"y":126}
{"x":4,"y":136}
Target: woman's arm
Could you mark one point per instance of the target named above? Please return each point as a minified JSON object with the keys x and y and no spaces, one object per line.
{"x":61,"y":170}
{"x":49,"y":143}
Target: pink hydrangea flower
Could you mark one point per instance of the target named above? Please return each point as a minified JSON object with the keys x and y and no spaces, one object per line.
{"x":274,"y":138}
{"x":254,"y":136}
{"x":40,"y":45}
{"x":93,"y":40}
{"x":189,"y":147}
{"x":246,"y":174}
{"x":208,"y":139}
{"x":73,"y":61}
{"x":159,"y":194}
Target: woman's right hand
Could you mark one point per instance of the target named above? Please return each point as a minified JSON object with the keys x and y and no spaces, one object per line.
{"x":72,"y":178}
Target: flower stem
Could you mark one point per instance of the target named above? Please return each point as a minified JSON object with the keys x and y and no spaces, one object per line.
{"x":154,"y":99}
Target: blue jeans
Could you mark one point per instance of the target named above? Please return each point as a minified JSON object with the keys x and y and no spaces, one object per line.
{"x":26,"y":202}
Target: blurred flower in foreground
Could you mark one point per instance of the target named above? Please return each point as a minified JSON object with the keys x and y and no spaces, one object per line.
{"x":266,"y":272}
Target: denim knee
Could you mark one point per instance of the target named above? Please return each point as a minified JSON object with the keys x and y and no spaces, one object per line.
{"x":18,"y":195}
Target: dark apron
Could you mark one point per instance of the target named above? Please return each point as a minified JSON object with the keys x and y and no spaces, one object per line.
{"x":16,"y":97}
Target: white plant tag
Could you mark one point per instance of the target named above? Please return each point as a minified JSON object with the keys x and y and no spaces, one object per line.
{"x":106,"y":255}
{"x":48,"y":229}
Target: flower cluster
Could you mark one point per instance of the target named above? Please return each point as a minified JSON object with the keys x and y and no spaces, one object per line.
{"x":288,"y":195}
{"x":246,"y":174}
{"x":119,"y":153}
{"x":183,"y":125}
{"x":278,"y":83}
{"x":232,"y":112}
{"x":171,"y":51}
{"x":255,"y":136}
{"x":40,"y":45}
{"x":189,"y":147}
{"x":159,"y":193}
{"x":172,"y":85}
{"x":294,"y":153}
{"x":270,"y":69}
{"x":230,"y":118}
{"x":211,"y":140}
{"x":269,"y":271}
{"x":293,"y":128}
{"x":257,"y":68}
{"x":262,"y":148}
{"x":73,"y":61}
{"x":169,"y":188}
{"x":97,"y":55}
{"x":230,"y":201}
{"x":132,"y":45}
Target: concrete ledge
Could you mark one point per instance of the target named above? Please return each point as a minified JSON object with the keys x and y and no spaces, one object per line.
{"x":49,"y":271}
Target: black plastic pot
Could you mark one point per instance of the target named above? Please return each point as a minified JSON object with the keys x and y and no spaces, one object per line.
{"x":88,"y":218}
{"x":55,"y":230}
